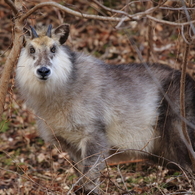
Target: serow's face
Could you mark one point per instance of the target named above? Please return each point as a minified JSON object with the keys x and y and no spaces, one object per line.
{"x":43,"y":49}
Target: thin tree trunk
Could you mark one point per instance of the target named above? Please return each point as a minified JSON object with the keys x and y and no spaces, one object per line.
{"x":10,"y":62}
{"x":182,"y":104}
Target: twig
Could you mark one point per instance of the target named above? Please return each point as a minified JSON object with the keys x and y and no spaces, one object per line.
{"x":70,"y":11}
{"x":111,"y":10}
{"x":188,"y":16}
{"x":146,"y":13}
{"x":176,"y":193}
{"x":141,"y":14}
{"x":13,"y":7}
{"x":136,"y":16}
{"x":122,"y":178}
{"x":150,"y":41}
{"x":169,"y":23}
{"x":120,"y":23}
{"x":128,"y":17}
{"x":183,"y":35}
{"x":177,"y":9}
{"x":25,"y":176}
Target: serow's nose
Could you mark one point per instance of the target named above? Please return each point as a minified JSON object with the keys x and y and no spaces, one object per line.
{"x":43,"y":72}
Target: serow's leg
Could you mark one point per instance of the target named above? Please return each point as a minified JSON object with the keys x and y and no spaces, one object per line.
{"x":93,"y":153}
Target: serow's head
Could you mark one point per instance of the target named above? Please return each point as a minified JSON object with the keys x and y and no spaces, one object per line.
{"x":43,"y":49}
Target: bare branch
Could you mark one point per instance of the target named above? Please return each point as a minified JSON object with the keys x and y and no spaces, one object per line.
{"x":146,"y":13}
{"x":150,"y":41}
{"x":188,"y":16}
{"x":70,"y":11}
{"x":135,"y":16}
{"x":127,"y":17}
{"x":183,"y":35}
{"x":170,"y":23}
{"x":13,"y":7}
{"x":111,"y":10}
{"x":177,"y":8}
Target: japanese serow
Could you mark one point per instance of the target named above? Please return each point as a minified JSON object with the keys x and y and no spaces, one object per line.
{"x":89,"y":108}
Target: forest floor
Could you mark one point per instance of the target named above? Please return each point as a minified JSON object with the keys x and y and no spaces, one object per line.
{"x":30,"y":166}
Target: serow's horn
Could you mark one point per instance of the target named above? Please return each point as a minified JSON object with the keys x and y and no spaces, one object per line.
{"x":34,"y":33}
{"x":48,"y":33}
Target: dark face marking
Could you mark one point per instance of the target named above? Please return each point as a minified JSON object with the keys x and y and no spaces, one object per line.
{"x":43,"y":59}
{"x":42,"y":50}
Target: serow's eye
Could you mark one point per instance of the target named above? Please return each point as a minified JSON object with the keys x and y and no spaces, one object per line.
{"x":32,"y":50}
{"x":53,"y":49}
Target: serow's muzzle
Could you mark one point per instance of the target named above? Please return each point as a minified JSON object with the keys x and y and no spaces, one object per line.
{"x":43,"y":72}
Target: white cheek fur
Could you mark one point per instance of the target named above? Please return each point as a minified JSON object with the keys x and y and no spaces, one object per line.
{"x":27,"y":77}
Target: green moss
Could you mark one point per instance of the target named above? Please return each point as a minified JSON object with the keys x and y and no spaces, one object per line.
{"x":72,"y":177}
{"x":4,"y":126}
{"x":8,"y":161}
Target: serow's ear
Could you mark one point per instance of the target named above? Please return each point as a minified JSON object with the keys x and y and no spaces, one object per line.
{"x":30,"y":32}
{"x":62,"y":32}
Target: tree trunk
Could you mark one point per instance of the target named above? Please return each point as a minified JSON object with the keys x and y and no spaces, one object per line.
{"x":10,"y":62}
